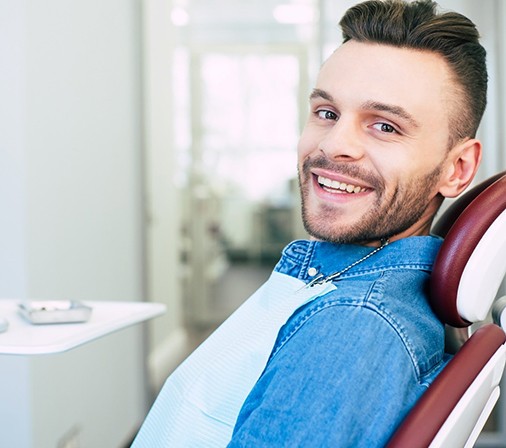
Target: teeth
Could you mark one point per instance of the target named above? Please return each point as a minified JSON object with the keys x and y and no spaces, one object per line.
{"x":334,"y":184}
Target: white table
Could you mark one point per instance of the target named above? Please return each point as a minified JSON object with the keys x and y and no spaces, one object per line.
{"x":24,"y":338}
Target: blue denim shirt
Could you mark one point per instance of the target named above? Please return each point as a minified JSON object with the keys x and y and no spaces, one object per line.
{"x":347,"y":367}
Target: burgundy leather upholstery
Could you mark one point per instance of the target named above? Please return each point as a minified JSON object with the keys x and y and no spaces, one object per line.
{"x":460,"y":241}
{"x":426,"y":418}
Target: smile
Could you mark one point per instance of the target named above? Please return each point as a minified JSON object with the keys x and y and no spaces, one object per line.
{"x":333,"y":186}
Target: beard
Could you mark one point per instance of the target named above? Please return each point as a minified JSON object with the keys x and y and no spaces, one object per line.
{"x":387,"y":217}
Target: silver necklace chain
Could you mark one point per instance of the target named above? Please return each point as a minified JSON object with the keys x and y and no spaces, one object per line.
{"x":320,"y":279}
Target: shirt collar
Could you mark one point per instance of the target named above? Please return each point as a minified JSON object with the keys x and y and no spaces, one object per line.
{"x":320,"y":257}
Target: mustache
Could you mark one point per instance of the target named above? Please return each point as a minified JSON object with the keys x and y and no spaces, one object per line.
{"x":346,"y":168}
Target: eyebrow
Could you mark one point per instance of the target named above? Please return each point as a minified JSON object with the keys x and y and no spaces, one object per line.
{"x":371,"y":105}
{"x":319,"y":93}
{"x":392,"y":109}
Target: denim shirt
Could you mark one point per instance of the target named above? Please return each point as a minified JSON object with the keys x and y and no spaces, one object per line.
{"x":347,"y":367}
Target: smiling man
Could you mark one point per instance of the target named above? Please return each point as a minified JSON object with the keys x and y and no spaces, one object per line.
{"x":391,"y":132}
{"x":340,"y":343}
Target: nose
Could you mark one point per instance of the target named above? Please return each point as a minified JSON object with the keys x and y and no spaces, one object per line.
{"x":343,"y":141}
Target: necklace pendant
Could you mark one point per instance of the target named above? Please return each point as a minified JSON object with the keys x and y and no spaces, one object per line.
{"x":319,"y":279}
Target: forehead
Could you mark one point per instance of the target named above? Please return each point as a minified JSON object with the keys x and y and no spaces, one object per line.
{"x":358,"y":73}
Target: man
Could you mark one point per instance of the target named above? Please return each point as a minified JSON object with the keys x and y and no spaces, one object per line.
{"x":391,"y":132}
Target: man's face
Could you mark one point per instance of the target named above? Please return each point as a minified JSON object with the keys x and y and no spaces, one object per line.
{"x":375,"y":144}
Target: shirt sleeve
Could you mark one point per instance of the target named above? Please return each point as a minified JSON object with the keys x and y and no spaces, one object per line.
{"x":341,"y":378}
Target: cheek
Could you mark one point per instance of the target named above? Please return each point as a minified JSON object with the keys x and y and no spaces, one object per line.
{"x":406,"y":174}
{"x":397,"y":166}
{"x":392,"y":173}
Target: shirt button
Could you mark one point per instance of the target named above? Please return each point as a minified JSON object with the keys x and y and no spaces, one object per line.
{"x":312,"y":272}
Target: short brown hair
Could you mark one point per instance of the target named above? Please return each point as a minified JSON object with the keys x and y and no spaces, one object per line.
{"x":418,"y":25}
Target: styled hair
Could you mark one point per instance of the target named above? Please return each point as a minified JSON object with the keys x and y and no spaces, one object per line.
{"x":418,"y":25}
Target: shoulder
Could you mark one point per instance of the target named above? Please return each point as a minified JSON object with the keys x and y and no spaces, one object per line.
{"x":402,"y":300}
{"x":378,"y":311}
{"x":342,"y":374}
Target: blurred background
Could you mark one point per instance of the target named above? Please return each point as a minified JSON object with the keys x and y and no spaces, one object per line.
{"x":148,"y":153}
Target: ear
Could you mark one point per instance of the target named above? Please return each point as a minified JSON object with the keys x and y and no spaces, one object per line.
{"x":461,"y":166}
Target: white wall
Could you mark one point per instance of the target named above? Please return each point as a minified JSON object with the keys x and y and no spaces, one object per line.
{"x":83,"y":148}
{"x":12,"y":142}
{"x":71,"y":206}
{"x":168,"y":337}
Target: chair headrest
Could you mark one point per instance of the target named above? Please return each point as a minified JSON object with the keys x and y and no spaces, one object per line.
{"x":471,"y":263}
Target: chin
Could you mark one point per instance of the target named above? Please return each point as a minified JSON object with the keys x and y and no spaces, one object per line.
{"x":321,"y":232}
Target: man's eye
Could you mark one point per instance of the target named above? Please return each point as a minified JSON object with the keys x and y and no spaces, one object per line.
{"x":327,"y":115}
{"x":385,"y":127}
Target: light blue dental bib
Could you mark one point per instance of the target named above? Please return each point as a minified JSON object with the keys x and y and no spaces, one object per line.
{"x":199,"y":403}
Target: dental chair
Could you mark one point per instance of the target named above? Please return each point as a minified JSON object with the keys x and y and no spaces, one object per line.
{"x":467,"y":274}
